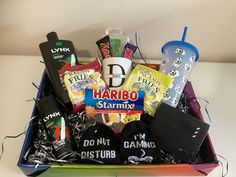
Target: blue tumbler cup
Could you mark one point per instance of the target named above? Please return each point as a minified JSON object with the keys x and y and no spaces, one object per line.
{"x":178,"y":58}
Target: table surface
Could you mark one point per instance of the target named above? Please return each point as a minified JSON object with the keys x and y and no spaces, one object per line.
{"x":214,"y":82}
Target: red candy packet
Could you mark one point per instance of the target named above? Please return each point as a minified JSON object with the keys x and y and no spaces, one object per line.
{"x":96,"y":65}
{"x":76,"y":74}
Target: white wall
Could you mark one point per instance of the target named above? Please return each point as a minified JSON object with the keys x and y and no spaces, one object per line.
{"x":212,"y":27}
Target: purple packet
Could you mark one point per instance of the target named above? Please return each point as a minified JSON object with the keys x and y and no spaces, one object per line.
{"x":129,"y":51}
{"x":192,"y":100}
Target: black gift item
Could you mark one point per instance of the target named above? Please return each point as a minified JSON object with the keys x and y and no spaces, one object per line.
{"x":98,"y":142}
{"x":178,"y":133}
{"x":138,"y":145}
{"x":56,"y":127}
{"x":58,"y":54}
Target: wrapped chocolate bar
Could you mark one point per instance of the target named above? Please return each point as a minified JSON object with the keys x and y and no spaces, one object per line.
{"x":117,"y":40}
{"x":104,"y":47}
{"x":129,"y":51}
{"x":115,"y":47}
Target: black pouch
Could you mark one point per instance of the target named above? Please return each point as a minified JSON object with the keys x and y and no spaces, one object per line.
{"x":179,"y":134}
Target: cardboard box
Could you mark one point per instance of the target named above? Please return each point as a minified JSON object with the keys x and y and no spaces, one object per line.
{"x":207,"y":154}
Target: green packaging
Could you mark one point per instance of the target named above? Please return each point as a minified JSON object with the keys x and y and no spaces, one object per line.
{"x":115,"y":47}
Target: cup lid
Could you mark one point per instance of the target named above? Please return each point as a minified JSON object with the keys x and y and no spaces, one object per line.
{"x":183,"y":44}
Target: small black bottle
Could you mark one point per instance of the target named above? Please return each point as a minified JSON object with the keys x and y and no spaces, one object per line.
{"x":58,"y":54}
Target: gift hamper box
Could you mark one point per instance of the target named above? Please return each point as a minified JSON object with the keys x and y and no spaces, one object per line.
{"x":206,"y":163}
{"x":116,"y":117}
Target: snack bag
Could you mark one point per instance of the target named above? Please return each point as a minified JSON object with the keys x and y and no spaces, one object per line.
{"x":153,"y":82}
{"x":115,"y":47}
{"x":115,"y":108}
{"x":96,"y":65}
{"x":129,"y":51}
{"x":77,"y":81}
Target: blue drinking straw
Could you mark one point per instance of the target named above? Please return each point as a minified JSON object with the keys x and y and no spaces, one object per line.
{"x":184,"y":33}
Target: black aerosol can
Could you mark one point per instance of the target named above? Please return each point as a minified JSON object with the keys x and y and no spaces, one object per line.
{"x":58,"y":54}
{"x":56,"y":127}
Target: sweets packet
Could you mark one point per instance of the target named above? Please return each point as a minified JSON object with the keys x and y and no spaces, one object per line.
{"x":115,"y":47}
{"x":114,"y":108}
{"x":104,"y":47}
{"x":77,"y":81}
{"x":96,"y":65}
{"x":153,"y":82}
{"x":129,"y":51}
{"x":117,"y":40}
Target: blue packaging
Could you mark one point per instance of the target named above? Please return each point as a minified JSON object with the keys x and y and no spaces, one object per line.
{"x":116,"y":101}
